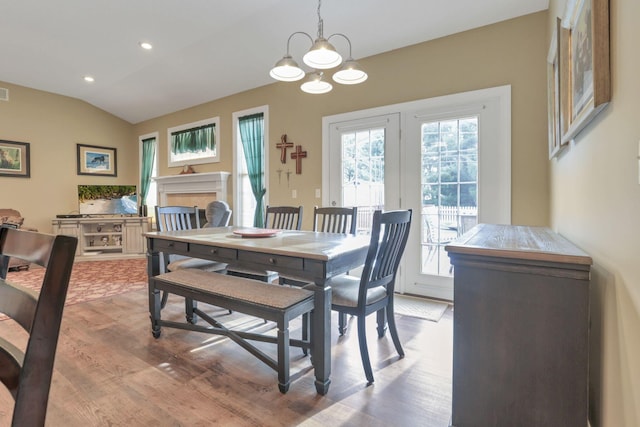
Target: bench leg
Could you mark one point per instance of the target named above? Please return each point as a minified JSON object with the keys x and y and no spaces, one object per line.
{"x":155,"y":305}
{"x":189,"y":307}
{"x":283,"y":356}
{"x":306,"y":326}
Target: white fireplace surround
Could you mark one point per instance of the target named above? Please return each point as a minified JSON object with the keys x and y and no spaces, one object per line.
{"x":194,"y":183}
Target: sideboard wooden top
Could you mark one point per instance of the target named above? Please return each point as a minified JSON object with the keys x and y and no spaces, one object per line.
{"x":522,"y":242}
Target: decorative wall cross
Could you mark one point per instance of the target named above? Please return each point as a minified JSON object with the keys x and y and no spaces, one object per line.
{"x":298,"y":155}
{"x":283,"y":145}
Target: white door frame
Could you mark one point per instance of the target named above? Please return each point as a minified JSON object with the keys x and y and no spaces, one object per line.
{"x":497,"y":204}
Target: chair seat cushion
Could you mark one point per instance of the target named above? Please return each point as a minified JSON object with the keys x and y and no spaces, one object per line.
{"x":344,"y":291}
{"x":201,"y":264}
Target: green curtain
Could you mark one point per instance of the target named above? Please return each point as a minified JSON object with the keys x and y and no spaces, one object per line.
{"x":193,"y":140}
{"x":148,"y":157}
{"x":252,"y":136}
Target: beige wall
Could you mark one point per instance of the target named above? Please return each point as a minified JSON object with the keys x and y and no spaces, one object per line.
{"x":511,"y":52}
{"x":595,"y":201}
{"x":53,"y":125}
{"x":504,"y":53}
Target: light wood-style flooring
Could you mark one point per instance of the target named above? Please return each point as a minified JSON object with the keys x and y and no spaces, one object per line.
{"x":110,"y":371}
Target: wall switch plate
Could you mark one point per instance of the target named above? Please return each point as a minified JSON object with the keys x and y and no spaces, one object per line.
{"x":294,"y":194}
{"x":317,"y":193}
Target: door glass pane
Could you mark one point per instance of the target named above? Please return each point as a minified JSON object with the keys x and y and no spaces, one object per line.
{"x":363,"y":173}
{"x":449,"y":188}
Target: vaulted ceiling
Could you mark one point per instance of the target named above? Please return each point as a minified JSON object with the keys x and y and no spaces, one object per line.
{"x":205,"y":49}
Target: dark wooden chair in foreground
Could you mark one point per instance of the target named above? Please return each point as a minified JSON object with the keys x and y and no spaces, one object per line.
{"x":372,"y":292}
{"x":27,"y":375}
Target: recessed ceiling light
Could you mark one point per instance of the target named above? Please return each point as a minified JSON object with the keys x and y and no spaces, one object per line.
{"x":146,"y":45}
{"x":89,"y":79}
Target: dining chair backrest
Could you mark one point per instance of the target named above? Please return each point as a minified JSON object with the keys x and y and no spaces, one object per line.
{"x":217,"y":214}
{"x":389,"y":234}
{"x":283,"y":217}
{"x":335,"y":219}
{"x":172,"y":218}
{"x":27,"y":374}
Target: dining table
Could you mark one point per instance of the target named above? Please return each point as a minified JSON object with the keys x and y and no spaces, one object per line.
{"x":313,"y":256}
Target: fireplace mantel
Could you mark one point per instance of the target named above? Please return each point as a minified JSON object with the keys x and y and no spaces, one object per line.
{"x":205,"y":185}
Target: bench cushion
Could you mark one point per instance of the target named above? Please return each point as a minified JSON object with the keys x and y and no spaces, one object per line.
{"x":248,"y":290}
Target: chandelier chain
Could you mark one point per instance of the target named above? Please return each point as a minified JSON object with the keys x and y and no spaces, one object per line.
{"x":320,"y":22}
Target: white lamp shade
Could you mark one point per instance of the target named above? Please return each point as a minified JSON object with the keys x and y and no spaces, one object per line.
{"x":287,"y":70}
{"x":316,"y":85}
{"x":350,"y":74}
{"x":322,"y":55}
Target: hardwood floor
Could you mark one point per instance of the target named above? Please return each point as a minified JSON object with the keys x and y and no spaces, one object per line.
{"x":110,"y":371}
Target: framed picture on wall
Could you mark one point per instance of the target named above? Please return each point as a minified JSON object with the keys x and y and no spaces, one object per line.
{"x":589,"y":73}
{"x":15,"y":159}
{"x":553,"y":93}
{"x":94,"y":160}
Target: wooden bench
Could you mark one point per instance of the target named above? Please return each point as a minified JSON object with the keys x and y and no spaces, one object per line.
{"x":270,"y":302}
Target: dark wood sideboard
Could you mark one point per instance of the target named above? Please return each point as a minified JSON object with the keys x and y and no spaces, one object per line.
{"x":521,"y":328}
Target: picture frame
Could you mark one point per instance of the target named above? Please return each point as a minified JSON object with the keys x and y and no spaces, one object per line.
{"x":565,"y":87}
{"x":554,"y":93}
{"x":589,"y":62}
{"x":15,"y":159}
{"x":95,"y":160}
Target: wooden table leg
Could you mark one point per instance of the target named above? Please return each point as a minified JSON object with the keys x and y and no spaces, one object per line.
{"x":153,"y":269}
{"x":321,"y":347}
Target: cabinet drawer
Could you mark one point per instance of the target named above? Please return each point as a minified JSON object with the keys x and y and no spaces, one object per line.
{"x":266,"y":260}
{"x":221,"y":254}
{"x":165,"y":245}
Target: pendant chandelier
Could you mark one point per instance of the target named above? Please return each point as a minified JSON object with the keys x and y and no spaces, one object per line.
{"x":321,"y":56}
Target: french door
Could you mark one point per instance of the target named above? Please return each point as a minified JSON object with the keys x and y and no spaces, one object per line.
{"x":363,"y":172}
{"x":448,"y":159}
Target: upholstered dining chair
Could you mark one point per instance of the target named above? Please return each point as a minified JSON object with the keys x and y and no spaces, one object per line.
{"x":276,"y":217}
{"x":218,"y":214}
{"x":372,"y":292}
{"x":27,"y":374}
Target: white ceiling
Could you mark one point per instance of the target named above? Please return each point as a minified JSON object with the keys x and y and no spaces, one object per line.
{"x":205,"y":49}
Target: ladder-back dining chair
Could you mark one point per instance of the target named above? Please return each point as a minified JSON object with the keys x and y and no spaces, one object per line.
{"x":335,"y":219}
{"x":276,"y":217}
{"x":372,"y":292}
{"x":283,"y":217}
{"x":172,"y":218}
{"x":27,"y":374}
{"x":328,"y":220}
